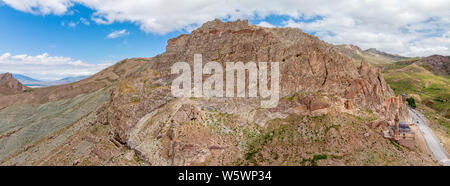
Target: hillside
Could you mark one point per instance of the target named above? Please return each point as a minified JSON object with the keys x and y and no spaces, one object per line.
{"x":379,"y":54}
{"x":31,"y":82}
{"x":31,"y":117}
{"x":325,"y":115}
{"x":437,"y":64}
{"x":430,"y":91}
{"x":25,"y":79}
{"x":9,"y":85}
{"x":66,"y":91}
{"x":372,"y":56}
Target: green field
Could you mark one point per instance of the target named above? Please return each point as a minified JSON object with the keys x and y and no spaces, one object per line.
{"x":426,"y":88}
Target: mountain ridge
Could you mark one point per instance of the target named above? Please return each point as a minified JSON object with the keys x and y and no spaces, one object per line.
{"x":9,"y":85}
{"x":26,"y":80}
{"x":331,"y":106}
{"x":372,"y":55}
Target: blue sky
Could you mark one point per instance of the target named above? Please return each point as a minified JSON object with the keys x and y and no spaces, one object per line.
{"x":24,"y":33}
{"x":52,"y":39}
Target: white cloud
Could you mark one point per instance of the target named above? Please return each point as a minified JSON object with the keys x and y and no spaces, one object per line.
{"x":47,"y":67}
{"x":73,"y":24}
{"x":118,"y":33}
{"x":265,"y":24}
{"x":84,"y":21}
{"x":401,"y":26}
{"x":44,"y":7}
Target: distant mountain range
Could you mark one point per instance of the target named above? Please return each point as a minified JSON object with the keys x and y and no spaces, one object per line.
{"x":31,"y":82}
{"x":372,"y":55}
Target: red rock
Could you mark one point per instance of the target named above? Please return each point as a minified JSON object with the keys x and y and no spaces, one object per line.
{"x":10,"y":85}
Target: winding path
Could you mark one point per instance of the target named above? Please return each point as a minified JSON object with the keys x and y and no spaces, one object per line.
{"x":433,"y":143}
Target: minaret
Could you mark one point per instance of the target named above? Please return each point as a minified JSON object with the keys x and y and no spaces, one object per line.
{"x":396,"y":129}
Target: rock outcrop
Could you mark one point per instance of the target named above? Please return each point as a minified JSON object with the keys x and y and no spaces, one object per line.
{"x":316,"y":79}
{"x":10,"y":85}
{"x":327,"y":105}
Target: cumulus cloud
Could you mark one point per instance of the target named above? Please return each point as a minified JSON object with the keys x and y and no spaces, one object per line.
{"x":265,"y":24}
{"x":401,"y":26}
{"x":118,"y":33}
{"x":43,"y":7}
{"x":47,"y":67}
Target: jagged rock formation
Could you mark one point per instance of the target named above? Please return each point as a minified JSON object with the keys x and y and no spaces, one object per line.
{"x":315,"y":78}
{"x":438,"y":64}
{"x":327,"y":102}
{"x":10,"y":85}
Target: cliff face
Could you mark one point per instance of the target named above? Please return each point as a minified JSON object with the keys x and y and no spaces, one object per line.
{"x":10,"y":85}
{"x":327,"y":108}
{"x":315,"y":80}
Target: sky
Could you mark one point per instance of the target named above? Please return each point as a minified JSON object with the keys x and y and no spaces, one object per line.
{"x":53,"y":39}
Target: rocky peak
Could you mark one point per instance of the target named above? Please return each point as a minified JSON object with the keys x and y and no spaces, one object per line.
{"x":438,"y":64}
{"x":354,"y":48}
{"x":313,"y":73}
{"x":377,"y":53}
{"x":372,"y":50}
{"x":10,"y":85}
{"x":217,"y":24}
{"x":316,"y":80}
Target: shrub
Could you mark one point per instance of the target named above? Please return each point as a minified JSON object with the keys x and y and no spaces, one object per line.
{"x":411,"y":102}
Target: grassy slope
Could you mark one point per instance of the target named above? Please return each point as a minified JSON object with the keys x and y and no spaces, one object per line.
{"x":320,"y":141}
{"x":379,"y":62}
{"x":429,"y":89}
{"x":432,"y":94}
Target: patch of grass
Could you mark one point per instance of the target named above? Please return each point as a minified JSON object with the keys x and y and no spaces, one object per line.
{"x":432,"y":90}
{"x":313,"y":161}
{"x":400,"y":64}
{"x":397,"y":146}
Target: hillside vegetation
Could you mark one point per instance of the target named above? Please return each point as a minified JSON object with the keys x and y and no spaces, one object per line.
{"x":430,"y":91}
{"x":420,"y":78}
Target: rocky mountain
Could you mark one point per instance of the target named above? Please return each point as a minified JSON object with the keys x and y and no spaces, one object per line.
{"x":73,"y":79}
{"x":28,"y":81}
{"x":427,"y":81}
{"x":438,"y":64}
{"x":380,"y":54}
{"x":55,"y":93}
{"x":10,"y":85}
{"x":350,"y":50}
{"x":330,"y":112}
{"x":47,"y":114}
{"x":25,"y":79}
{"x":372,"y":55}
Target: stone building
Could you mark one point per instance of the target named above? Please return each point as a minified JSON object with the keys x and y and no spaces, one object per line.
{"x":402,"y":134}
